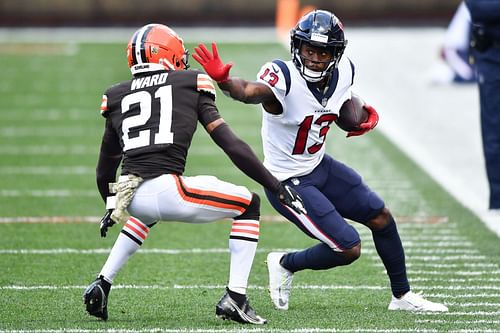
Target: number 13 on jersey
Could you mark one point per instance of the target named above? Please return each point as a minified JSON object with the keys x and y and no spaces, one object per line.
{"x":304,"y":131}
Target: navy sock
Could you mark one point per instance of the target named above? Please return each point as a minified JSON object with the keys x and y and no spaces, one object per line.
{"x":390,"y":249}
{"x":317,"y":257}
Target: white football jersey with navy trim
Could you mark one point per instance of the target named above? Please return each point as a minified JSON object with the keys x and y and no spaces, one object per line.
{"x":294,"y":141}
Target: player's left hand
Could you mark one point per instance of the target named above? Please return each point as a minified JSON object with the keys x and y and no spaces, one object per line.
{"x":212,"y":63}
{"x":106,"y":222}
{"x":369,"y":124}
{"x":289,"y":197}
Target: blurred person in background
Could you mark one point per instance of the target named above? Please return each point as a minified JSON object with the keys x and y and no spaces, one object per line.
{"x":300,"y":99}
{"x":150,"y":123}
{"x":485,"y":43}
{"x":455,"y":50}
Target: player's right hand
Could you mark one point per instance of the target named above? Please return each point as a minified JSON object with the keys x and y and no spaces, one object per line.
{"x":369,"y":124}
{"x":212,"y":63}
{"x":289,"y":197}
{"x":106,"y":222}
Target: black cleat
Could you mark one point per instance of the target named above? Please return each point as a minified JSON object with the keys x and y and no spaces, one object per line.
{"x":228,"y":309}
{"x":96,"y":300}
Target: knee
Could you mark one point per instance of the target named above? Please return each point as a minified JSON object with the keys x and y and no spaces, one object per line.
{"x":353,"y":253}
{"x":380,"y":221}
{"x":253,"y":210}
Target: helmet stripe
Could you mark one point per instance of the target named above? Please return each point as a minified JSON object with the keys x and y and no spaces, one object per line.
{"x":132,"y":48}
{"x":138,"y":47}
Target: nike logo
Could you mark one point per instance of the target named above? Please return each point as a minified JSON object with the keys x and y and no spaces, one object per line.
{"x":281,"y":302}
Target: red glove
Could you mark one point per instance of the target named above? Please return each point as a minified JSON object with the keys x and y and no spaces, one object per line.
{"x":369,"y":124}
{"x":212,"y":63}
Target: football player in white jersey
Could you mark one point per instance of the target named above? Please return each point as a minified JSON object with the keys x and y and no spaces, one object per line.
{"x":300,"y":99}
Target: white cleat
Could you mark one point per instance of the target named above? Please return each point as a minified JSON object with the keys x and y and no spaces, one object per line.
{"x":280,"y":281}
{"x":415,"y":302}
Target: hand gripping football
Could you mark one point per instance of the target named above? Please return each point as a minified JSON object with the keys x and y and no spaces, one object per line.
{"x":352,"y":114}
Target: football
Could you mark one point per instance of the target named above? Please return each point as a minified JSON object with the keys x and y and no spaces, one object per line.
{"x":352,"y":114}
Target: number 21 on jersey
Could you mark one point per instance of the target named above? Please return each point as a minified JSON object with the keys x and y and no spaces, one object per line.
{"x":163,"y":134}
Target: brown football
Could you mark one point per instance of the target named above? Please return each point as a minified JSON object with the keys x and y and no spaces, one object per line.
{"x":352,"y":114}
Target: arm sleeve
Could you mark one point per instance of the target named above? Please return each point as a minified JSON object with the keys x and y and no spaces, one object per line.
{"x":243,"y":157}
{"x":110,"y":157}
{"x":207,"y":111}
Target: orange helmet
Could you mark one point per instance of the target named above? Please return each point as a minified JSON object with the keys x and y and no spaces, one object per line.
{"x":154,"y":47}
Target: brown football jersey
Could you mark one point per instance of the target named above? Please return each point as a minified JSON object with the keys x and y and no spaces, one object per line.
{"x":155,"y":115}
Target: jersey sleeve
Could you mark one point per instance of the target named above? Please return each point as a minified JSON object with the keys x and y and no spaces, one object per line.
{"x":104,"y":105}
{"x":275,"y":77}
{"x":204,"y":84}
{"x":345,"y":80}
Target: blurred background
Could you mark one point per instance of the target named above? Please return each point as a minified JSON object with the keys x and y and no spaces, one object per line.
{"x":214,"y":12}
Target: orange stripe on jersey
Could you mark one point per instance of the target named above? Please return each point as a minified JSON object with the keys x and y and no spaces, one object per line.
{"x":204,"y":83}
{"x":211,"y":198}
{"x":104,"y":104}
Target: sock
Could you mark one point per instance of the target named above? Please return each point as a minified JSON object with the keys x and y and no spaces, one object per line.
{"x":106,"y":286}
{"x":317,"y":257}
{"x":237,"y":297}
{"x":242,"y":245}
{"x":390,"y":249}
{"x":129,"y":240}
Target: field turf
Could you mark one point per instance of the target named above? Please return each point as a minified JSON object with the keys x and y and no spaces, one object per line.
{"x":50,"y":248}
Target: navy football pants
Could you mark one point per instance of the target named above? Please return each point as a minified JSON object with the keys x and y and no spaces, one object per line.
{"x":332,"y":192}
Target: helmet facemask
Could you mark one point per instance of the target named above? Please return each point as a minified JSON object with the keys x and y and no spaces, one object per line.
{"x":311,"y":75}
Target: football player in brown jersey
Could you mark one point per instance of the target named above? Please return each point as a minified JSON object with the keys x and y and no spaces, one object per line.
{"x":150,"y":122}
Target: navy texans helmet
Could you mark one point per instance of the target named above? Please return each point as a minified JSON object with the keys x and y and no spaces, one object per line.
{"x":319,"y":28}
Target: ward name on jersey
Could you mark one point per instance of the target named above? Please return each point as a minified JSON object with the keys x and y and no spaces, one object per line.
{"x":148,"y":81}
{"x":154,"y":117}
{"x":293,"y":141}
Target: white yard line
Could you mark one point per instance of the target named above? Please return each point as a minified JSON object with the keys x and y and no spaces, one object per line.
{"x":252,"y":330}
{"x":64,"y":193}
{"x":47,"y":170}
{"x":493,"y":288}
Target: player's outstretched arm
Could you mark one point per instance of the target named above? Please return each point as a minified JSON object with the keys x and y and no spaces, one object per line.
{"x":242,"y":90}
{"x":245,"y":159}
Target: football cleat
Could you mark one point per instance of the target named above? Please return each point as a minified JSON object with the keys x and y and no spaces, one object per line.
{"x":415,"y":302}
{"x":280,"y":281}
{"x":96,"y":301}
{"x":228,"y":309}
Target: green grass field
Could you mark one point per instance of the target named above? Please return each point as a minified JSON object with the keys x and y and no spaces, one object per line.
{"x":50,"y":131}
